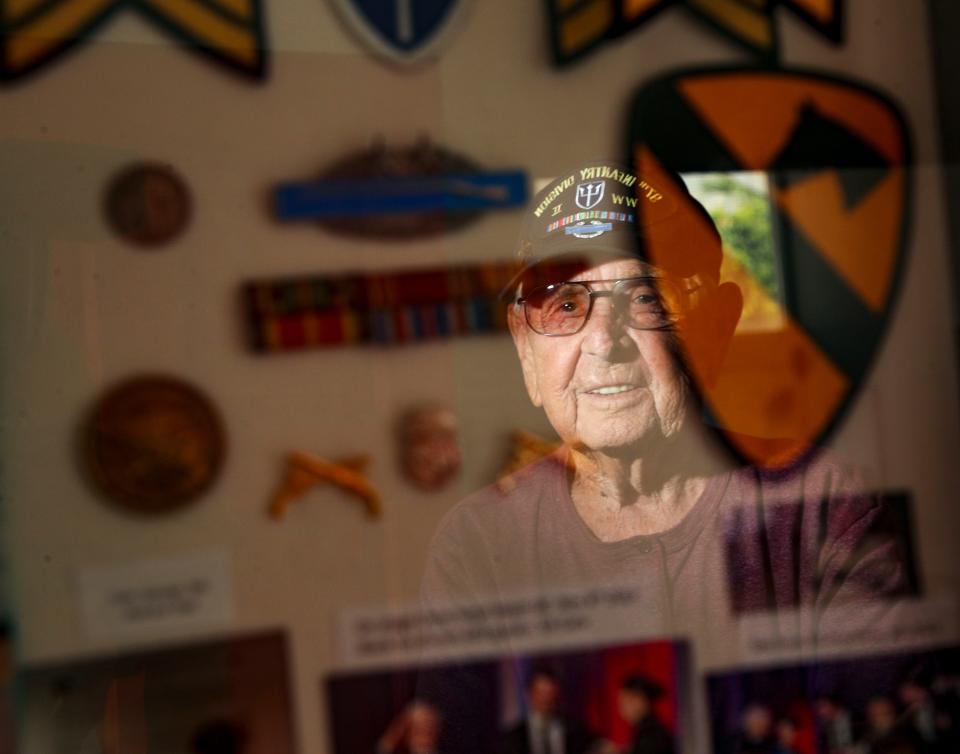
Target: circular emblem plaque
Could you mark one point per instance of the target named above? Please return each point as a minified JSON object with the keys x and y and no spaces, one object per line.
{"x":154,"y":444}
{"x":148,"y":204}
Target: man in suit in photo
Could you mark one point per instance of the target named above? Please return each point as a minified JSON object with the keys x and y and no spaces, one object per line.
{"x":545,"y":730}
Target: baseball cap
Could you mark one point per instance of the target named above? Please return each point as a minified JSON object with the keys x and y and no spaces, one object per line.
{"x":603,"y":209}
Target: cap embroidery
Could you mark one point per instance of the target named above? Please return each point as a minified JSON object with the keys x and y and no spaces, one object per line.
{"x":592,"y":215}
{"x":590,"y":229}
{"x":589,"y":194}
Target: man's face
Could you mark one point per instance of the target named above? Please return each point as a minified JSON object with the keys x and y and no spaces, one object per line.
{"x":544,"y":695}
{"x":881,"y":714}
{"x":632,"y":706}
{"x":826,"y":709}
{"x":757,"y":722}
{"x":786,"y":733}
{"x":608,"y":386}
{"x":424,"y":729}
{"x":912,"y":693}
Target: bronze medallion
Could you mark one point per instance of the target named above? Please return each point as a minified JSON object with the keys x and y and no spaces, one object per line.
{"x":154,"y":444}
{"x":148,"y":204}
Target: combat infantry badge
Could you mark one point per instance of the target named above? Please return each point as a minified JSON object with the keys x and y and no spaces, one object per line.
{"x":811,"y":182}
{"x":589,"y":194}
{"x":402,"y":31}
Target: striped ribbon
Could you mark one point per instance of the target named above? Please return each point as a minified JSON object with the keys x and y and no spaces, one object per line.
{"x":591,"y":215}
{"x":384,"y":309}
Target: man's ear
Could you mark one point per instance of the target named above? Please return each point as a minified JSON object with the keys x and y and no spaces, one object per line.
{"x":730,"y":304}
{"x":709,"y":330}
{"x":521,"y":340}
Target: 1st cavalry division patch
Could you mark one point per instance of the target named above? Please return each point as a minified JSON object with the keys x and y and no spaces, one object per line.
{"x":834,"y":157}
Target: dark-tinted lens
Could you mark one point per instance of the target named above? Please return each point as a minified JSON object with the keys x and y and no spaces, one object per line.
{"x":557,"y":309}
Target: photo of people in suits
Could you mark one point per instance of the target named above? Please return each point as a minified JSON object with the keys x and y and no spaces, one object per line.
{"x":610,"y":700}
{"x":891,"y":704}
{"x":544,"y":730}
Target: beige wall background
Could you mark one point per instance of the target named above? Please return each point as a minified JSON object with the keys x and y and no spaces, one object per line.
{"x":80,"y":309}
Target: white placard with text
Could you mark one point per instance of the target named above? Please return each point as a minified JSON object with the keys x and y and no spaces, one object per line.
{"x":156,"y":598}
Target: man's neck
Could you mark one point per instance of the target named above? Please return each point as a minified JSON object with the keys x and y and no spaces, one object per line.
{"x":627,"y":492}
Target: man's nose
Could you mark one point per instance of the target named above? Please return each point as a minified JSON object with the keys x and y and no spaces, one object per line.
{"x":604,"y":329}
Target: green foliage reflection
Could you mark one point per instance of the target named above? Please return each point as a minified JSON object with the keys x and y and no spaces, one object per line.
{"x":742,"y":215}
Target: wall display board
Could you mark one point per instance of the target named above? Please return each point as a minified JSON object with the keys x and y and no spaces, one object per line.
{"x":399,"y":193}
{"x":382,"y":309}
{"x":154,"y":444}
{"x":230,"y":32}
{"x":578,"y":28}
{"x":403,"y":31}
{"x":827,"y":163}
{"x":312,"y":335}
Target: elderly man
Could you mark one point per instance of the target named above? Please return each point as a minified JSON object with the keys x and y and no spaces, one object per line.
{"x":641,"y":494}
{"x":619,"y":302}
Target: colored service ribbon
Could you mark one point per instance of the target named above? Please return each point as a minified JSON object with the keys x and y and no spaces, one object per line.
{"x":390,"y":308}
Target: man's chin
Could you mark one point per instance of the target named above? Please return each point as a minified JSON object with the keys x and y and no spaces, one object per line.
{"x":629,"y":439}
{"x":614,"y":445}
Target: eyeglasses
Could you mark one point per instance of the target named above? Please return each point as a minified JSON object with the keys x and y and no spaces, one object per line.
{"x":643,"y":303}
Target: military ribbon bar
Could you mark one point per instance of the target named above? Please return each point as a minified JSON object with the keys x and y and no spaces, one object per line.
{"x":383,"y":309}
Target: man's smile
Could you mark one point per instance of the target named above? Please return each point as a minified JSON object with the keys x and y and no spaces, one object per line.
{"x":610,"y":394}
{"x":612,"y":389}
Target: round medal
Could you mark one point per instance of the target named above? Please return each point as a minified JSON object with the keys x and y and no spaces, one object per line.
{"x":148,"y":204}
{"x":154,"y":444}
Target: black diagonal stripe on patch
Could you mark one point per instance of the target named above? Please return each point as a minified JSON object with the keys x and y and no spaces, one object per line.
{"x":832,"y":29}
{"x":819,"y":142}
{"x":663,"y":120}
{"x":825,"y":306}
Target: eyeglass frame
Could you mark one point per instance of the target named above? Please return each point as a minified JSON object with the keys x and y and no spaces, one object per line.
{"x":612,"y":293}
